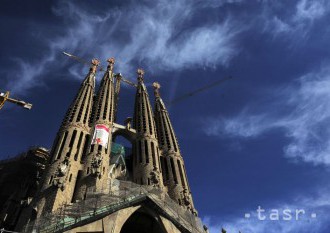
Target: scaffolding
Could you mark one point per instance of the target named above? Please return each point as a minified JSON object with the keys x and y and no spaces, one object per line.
{"x":120,"y":195}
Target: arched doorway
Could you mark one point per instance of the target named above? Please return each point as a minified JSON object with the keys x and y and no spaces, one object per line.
{"x":141,"y":222}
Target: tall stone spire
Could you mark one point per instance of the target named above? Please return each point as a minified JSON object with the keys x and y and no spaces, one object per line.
{"x":96,"y":161}
{"x":146,"y":163}
{"x":173,"y":169}
{"x":59,"y":179}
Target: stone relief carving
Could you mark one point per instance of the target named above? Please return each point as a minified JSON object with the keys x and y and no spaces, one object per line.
{"x":186,"y":197}
{"x":97,"y":165}
{"x":154,"y":177}
{"x":61,"y":173}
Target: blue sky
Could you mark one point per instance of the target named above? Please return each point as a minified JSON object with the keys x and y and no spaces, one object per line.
{"x":260,"y":139}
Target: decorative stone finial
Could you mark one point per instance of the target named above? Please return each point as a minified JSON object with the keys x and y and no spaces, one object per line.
{"x":156,"y":86}
{"x":95,"y":64}
{"x":140,"y":73}
{"x":111,"y":62}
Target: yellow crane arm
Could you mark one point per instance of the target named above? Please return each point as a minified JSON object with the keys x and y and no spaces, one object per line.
{"x":129,"y":82}
{"x":5,"y":97}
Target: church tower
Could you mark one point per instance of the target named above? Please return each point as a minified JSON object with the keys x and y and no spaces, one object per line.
{"x":96,"y":161}
{"x":173,"y":169}
{"x":146,"y":163}
{"x":58,"y":182}
{"x":93,"y":184}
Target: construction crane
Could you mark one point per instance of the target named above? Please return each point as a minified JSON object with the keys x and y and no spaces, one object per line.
{"x":192,"y":93}
{"x":5,"y":97}
{"x":119,"y":76}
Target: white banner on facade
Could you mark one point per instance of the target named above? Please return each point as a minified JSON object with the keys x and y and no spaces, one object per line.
{"x":101,"y":135}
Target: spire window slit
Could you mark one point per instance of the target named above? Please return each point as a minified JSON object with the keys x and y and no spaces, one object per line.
{"x":181,"y":174}
{"x":149,"y":118}
{"x":73,"y":137}
{"x":82,"y":106}
{"x":78,"y":146}
{"x":146,"y":151}
{"x":174,"y":171}
{"x":55,"y":146}
{"x":153,"y":154}
{"x":62,"y":145}
{"x":88,"y":107}
{"x":85,"y":146}
{"x":140,"y":152}
{"x":174,"y":141}
{"x":105,"y":113}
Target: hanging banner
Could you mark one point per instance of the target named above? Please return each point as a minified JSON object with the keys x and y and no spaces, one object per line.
{"x":101,"y":135}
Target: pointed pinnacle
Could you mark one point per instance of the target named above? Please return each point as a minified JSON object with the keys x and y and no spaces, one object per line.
{"x":95,"y":64}
{"x":140,"y":73}
{"x":156,"y":86}
{"x":111,"y":62}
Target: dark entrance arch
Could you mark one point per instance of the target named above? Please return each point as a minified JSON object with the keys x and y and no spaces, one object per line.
{"x":141,"y":222}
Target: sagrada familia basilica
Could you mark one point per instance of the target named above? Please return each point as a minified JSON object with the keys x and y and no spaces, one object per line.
{"x":89,"y":183}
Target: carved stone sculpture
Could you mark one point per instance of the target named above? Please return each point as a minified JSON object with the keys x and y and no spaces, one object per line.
{"x":97,"y":165}
{"x":186,"y":197}
{"x":154,"y":177}
{"x":61,"y":174}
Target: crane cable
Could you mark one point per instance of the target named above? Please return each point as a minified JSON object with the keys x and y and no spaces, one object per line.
{"x":187,"y":95}
{"x":99,"y":68}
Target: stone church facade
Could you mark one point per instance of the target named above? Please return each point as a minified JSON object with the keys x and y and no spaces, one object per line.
{"x":90,"y":184}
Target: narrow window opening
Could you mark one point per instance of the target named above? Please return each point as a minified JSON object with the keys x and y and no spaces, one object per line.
{"x":174,"y":171}
{"x":140,"y":151}
{"x":55,"y":144}
{"x":153,"y":154}
{"x":166,"y":168}
{"x":70,"y":177}
{"x":146,"y":151}
{"x":185,"y":174}
{"x":62,"y":145}
{"x":136,"y":157}
{"x":159,"y":164}
{"x":50,"y":180}
{"x":89,"y":107}
{"x":82,"y":106}
{"x":78,"y":146}
{"x":150,"y":119}
{"x":85,"y":146}
{"x":181,"y":174}
{"x":174,"y":141}
{"x":73,"y":137}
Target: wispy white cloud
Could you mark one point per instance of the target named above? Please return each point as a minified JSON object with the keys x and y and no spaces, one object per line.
{"x":244,"y":125}
{"x":311,"y":9}
{"x":299,"y":22}
{"x":306,"y":121}
{"x":154,"y":35}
